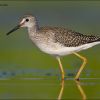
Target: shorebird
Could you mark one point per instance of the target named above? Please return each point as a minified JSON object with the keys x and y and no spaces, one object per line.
{"x":57,"y":41}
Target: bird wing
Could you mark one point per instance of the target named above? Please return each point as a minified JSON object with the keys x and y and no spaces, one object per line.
{"x":71,"y":38}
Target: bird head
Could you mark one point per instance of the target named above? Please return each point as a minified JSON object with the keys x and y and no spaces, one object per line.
{"x":27,"y":21}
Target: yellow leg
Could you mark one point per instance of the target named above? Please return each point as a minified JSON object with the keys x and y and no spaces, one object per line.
{"x":61,"y":67}
{"x":82,"y":66}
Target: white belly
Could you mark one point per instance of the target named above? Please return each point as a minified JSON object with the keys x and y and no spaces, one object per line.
{"x":58,"y":49}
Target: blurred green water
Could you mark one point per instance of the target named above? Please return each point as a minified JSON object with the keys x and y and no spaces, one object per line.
{"x":49,"y":89}
{"x":20,"y":59}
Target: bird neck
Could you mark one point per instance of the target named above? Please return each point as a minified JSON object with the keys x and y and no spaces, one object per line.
{"x":33,"y":29}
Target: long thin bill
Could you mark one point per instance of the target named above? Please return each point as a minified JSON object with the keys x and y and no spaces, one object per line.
{"x":14,"y":29}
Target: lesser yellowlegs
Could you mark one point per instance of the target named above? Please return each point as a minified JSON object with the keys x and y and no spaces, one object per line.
{"x":57,"y":41}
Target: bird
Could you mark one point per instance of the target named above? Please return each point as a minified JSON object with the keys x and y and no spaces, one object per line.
{"x":57,"y":41}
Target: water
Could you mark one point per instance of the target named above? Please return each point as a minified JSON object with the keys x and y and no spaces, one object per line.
{"x":19,"y":85}
{"x":45,"y":88}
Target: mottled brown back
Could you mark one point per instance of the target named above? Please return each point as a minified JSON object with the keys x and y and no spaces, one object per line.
{"x":70,"y":38}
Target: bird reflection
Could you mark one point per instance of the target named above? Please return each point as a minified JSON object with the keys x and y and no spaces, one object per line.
{"x":79,"y":87}
{"x":61,"y":90}
{"x":82,"y":92}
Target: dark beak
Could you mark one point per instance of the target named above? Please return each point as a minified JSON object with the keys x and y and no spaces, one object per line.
{"x":14,"y":29}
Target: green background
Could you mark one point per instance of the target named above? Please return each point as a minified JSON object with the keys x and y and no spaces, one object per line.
{"x":21,"y":62}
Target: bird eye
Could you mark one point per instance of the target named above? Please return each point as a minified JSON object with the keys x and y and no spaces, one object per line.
{"x":27,"y":20}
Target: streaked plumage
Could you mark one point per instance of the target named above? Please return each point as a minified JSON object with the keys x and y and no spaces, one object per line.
{"x":67,"y":37}
{"x":61,"y":41}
